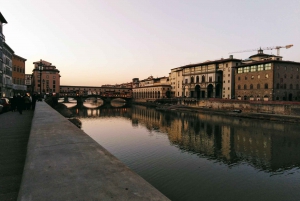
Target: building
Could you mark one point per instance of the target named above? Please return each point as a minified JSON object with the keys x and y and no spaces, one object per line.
{"x":47,"y":79}
{"x":265,"y":77}
{"x":7,"y":82}
{"x":18,"y":74}
{"x":209,"y":79}
{"x":152,"y":88}
{"x":2,"y":66}
{"x":28,"y":83}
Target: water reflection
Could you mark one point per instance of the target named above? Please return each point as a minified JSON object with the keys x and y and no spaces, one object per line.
{"x":265,"y":145}
{"x":193,"y":156}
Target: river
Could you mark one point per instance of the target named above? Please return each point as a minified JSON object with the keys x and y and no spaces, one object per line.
{"x":194,"y":156}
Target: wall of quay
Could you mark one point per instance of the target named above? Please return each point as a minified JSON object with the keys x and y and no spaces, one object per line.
{"x":64,"y":163}
{"x":267,"y":107}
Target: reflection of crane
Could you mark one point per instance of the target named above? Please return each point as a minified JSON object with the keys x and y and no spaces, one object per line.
{"x":266,"y":48}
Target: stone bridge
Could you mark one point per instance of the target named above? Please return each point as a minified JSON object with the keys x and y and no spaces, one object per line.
{"x":106,"y":99}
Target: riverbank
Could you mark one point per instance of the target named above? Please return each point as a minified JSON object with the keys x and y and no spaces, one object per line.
{"x":232,"y":113}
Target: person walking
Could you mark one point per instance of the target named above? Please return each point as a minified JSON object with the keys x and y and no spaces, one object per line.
{"x":27,"y":102}
{"x":20,"y":103}
{"x":34,"y":98}
{"x":13,"y":103}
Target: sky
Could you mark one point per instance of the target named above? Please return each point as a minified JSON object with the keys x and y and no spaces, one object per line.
{"x":97,"y":42}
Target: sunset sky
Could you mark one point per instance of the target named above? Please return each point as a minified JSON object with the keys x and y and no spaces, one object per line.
{"x":96,"y":42}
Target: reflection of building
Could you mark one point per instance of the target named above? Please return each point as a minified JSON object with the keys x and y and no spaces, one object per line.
{"x":50,"y":80}
{"x":265,"y":145}
{"x":210,"y":79}
{"x":152,"y":88}
{"x":267,"y":77}
{"x":18,"y":74}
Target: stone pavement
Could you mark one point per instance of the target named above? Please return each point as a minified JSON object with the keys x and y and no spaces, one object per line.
{"x":14,"y":134}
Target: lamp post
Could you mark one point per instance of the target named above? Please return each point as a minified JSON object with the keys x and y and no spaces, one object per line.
{"x":40,"y":69}
{"x":43,"y":86}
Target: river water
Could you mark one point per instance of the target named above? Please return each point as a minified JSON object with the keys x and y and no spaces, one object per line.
{"x":194,"y":156}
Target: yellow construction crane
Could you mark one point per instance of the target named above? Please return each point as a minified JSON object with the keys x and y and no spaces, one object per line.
{"x":266,"y":48}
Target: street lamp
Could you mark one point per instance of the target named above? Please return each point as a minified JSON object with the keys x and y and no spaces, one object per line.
{"x":40,"y":69}
{"x":43,"y":86}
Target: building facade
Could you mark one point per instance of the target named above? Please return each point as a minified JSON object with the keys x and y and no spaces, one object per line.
{"x":46,"y":80}
{"x":210,"y":79}
{"x":28,"y":83}
{"x":2,"y":66}
{"x":18,"y":74}
{"x":265,"y":77}
{"x":7,"y":82}
{"x":152,"y":88}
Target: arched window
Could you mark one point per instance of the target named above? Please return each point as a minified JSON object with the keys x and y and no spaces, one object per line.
{"x":291,"y":86}
{"x":192,"y":79}
{"x":245,"y":77}
{"x":239,"y":86}
{"x":277,"y":86}
{"x":251,"y":86}
{"x":197,"y":79}
{"x":245,"y":86}
{"x":203,"y":78}
{"x":266,"y":86}
{"x":258,"y":86}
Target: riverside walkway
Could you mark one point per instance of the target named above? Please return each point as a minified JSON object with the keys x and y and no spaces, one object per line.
{"x":64,"y":163}
{"x":14,"y":133}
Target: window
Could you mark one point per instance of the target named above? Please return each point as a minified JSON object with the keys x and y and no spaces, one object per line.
{"x":260,"y":67}
{"x":240,"y":70}
{"x":277,"y":86}
{"x":228,"y":81}
{"x":268,"y":66}
{"x":267,"y":76}
{"x":245,"y":86}
{"x":228,"y":75}
{"x":297,"y":76}
{"x":203,"y":78}
{"x":252,"y":77}
{"x":258,"y":86}
{"x":210,"y":79}
{"x":246,"y":69}
{"x":192,"y":79}
{"x":186,"y":81}
{"x":197,"y":79}
{"x":245,"y":77}
{"x":253,"y":68}
{"x":239,"y":86}
{"x":228,"y":88}
{"x":284,"y":86}
{"x":284,"y":75}
{"x":266,"y":86}
{"x":258,"y":76}
{"x":291,"y":86}
{"x":239,"y":78}
{"x":251,"y":86}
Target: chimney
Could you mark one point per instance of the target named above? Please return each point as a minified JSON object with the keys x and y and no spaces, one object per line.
{"x":230,"y":56}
